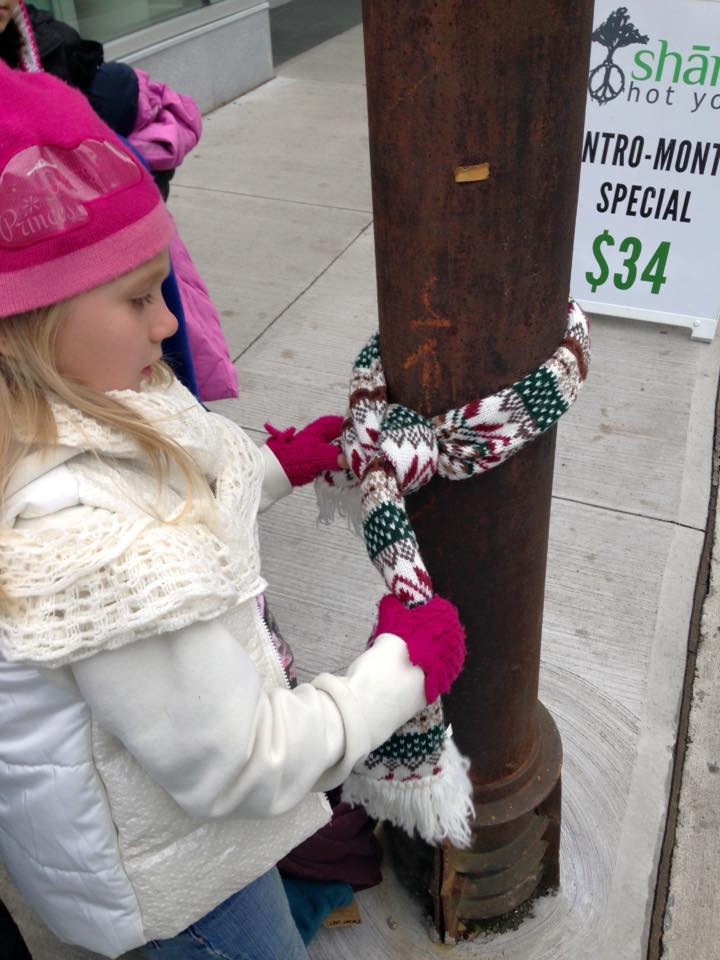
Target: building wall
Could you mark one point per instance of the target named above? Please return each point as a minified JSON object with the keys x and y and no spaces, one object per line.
{"x":213,"y":50}
{"x":213,"y":62}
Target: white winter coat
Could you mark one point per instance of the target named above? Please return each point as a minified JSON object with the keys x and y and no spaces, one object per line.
{"x":152,"y":759}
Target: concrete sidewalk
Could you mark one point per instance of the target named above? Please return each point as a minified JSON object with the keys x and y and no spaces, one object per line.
{"x":275,"y":207}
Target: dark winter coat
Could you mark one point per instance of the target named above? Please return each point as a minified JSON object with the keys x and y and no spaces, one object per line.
{"x":62,"y":50}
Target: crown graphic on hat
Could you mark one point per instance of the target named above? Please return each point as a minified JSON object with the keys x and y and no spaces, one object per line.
{"x":77,"y":209}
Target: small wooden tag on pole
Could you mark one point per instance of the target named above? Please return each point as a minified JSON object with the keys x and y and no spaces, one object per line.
{"x":471,"y":174}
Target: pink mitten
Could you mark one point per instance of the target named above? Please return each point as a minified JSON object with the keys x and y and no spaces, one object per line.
{"x":434,"y":636}
{"x":305,"y":455}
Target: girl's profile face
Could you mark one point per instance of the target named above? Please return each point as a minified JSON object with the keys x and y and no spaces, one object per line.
{"x":7,"y":8}
{"x":113,"y":334}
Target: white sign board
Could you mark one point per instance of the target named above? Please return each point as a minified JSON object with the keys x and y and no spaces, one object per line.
{"x":646,"y":240}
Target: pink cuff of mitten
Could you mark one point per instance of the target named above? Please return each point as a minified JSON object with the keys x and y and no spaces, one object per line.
{"x":434,"y":637}
{"x":306,"y":454}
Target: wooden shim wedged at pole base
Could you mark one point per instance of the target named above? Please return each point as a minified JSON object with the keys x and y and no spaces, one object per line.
{"x":476,"y":117}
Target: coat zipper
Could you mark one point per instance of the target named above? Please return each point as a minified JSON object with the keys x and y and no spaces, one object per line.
{"x":274,"y":649}
{"x":276,"y":654}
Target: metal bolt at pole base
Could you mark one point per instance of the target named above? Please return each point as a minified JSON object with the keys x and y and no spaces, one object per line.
{"x":476,"y":118}
{"x":516,"y":845}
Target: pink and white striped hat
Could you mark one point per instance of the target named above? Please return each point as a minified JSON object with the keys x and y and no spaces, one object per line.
{"x":77,"y":209}
{"x":29,"y":53}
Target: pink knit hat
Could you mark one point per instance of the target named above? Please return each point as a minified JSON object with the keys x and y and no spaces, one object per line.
{"x":76,"y":208}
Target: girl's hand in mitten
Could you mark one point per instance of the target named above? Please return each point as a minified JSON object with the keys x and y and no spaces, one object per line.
{"x":434,"y":637}
{"x":308,"y":453}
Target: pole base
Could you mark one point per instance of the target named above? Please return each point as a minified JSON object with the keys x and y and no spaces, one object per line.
{"x":516,"y":845}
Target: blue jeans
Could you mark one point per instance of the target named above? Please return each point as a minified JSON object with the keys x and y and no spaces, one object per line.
{"x":254,"y":924}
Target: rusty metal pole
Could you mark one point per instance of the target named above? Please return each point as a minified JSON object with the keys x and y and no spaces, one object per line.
{"x":473,"y":281}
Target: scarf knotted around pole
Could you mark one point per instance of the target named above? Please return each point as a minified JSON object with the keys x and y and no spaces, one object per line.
{"x":418,"y":779}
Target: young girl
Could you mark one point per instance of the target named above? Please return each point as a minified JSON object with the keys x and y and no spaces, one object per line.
{"x":155,"y":764}
{"x":163,"y":126}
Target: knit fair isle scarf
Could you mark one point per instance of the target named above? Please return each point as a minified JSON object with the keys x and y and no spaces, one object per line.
{"x":418,"y":779}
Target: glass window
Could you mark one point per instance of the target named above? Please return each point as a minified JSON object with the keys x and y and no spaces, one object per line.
{"x":105,"y":20}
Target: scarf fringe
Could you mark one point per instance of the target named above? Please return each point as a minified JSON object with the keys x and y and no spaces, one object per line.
{"x":339,"y":497}
{"x":439,"y":807}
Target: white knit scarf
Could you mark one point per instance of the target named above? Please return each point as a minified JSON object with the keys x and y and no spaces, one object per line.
{"x":111,"y":570}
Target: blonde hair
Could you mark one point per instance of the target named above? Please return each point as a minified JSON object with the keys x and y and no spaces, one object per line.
{"x":28,"y":374}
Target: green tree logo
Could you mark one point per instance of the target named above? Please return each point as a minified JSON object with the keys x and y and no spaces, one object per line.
{"x":607,"y":81}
